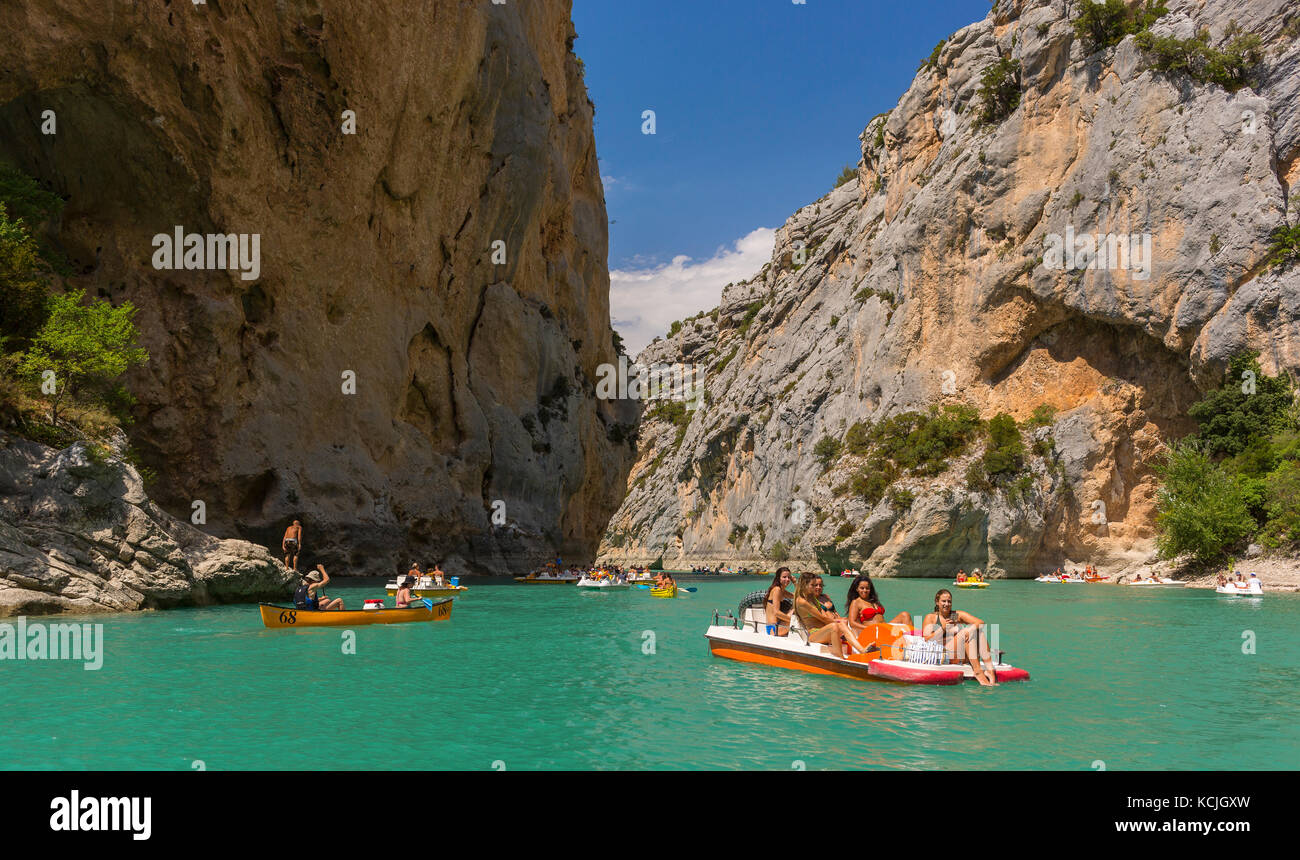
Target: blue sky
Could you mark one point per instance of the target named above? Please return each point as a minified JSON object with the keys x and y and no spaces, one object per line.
{"x":758,"y":104}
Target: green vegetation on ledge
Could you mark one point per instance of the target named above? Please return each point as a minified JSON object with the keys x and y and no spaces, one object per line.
{"x":1237,"y":478}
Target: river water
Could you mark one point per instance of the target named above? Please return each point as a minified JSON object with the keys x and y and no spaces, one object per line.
{"x":530,"y":677}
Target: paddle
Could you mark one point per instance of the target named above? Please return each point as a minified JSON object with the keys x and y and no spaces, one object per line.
{"x":428,"y":604}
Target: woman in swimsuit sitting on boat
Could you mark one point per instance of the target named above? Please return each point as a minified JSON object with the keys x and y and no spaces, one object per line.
{"x":778,"y":620}
{"x":864,"y":606}
{"x":961,"y":643}
{"x":824,"y":627}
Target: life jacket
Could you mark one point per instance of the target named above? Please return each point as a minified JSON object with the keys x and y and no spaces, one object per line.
{"x":303,"y":598}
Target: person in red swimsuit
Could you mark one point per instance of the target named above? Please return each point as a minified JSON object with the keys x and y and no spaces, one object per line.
{"x":865,"y":607}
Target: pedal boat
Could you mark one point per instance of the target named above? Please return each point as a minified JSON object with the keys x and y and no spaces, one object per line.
{"x":602,"y":583}
{"x":1251,"y":588}
{"x":426,"y":586}
{"x":1155,"y":583}
{"x":546,"y":579}
{"x":745,"y":639}
{"x":290,"y":617}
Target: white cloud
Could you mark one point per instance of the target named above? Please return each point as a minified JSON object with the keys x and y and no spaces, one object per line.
{"x":644,"y":302}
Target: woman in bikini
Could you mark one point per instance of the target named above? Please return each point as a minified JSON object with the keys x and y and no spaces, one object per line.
{"x":864,"y":606}
{"x":824,"y":628}
{"x":778,"y":618}
{"x":961,"y":644}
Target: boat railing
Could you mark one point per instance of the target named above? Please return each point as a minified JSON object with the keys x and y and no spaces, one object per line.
{"x":718,"y":619}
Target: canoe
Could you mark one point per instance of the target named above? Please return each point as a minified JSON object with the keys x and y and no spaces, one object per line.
{"x":971,"y":584}
{"x":289,"y":617}
{"x":664,"y":592}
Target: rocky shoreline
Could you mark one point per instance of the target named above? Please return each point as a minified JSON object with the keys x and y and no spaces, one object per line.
{"x":78,"y":534}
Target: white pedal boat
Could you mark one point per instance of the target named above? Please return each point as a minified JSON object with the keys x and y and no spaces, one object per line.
{"x":1251,"y":588}
{"x":1154,"y":583}
{"x":603,"y":583}
{"x":900,"y":658}
{"x":427,"y":586}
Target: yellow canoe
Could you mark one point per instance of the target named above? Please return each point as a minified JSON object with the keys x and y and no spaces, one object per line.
{"x":971,"y":584}
{"x":289,"y":617}
{"x":664,"y":592}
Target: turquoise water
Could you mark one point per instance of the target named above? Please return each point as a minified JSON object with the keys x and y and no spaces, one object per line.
{"x":545,"y":677}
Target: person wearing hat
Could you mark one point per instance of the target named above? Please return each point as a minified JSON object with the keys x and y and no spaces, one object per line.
{"x":310,"y":592}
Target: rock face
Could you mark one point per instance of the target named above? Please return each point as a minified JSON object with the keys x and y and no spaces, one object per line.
{"x":78,"y":534}
{"x":392,"y":373}
{"x":929,"y":282}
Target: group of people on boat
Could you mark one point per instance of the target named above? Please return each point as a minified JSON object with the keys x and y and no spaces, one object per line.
{"x":973,"y":576}
{"x":959,"y":633}
{"x":1240,"y":581}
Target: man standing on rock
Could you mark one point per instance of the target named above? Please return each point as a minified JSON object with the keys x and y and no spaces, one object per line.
{"x":292,"y":544}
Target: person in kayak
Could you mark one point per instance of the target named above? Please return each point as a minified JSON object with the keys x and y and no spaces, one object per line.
{"x":291,"y":543}
{"x":824,"y":627}
{"x":960,"y":633}
{"x":864,"y":606}
{"x":310,"y":592}
{"x":778,"y":603}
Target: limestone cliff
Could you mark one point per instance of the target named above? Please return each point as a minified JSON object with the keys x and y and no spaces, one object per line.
{"x":391,"y":372}
{"x":929,"y":282}
{"x":78,"y":534}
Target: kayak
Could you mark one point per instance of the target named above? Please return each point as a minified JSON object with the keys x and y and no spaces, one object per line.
{"x":664,"y":592}
{"x":898,"y":654}
{"x":290,"y":617}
